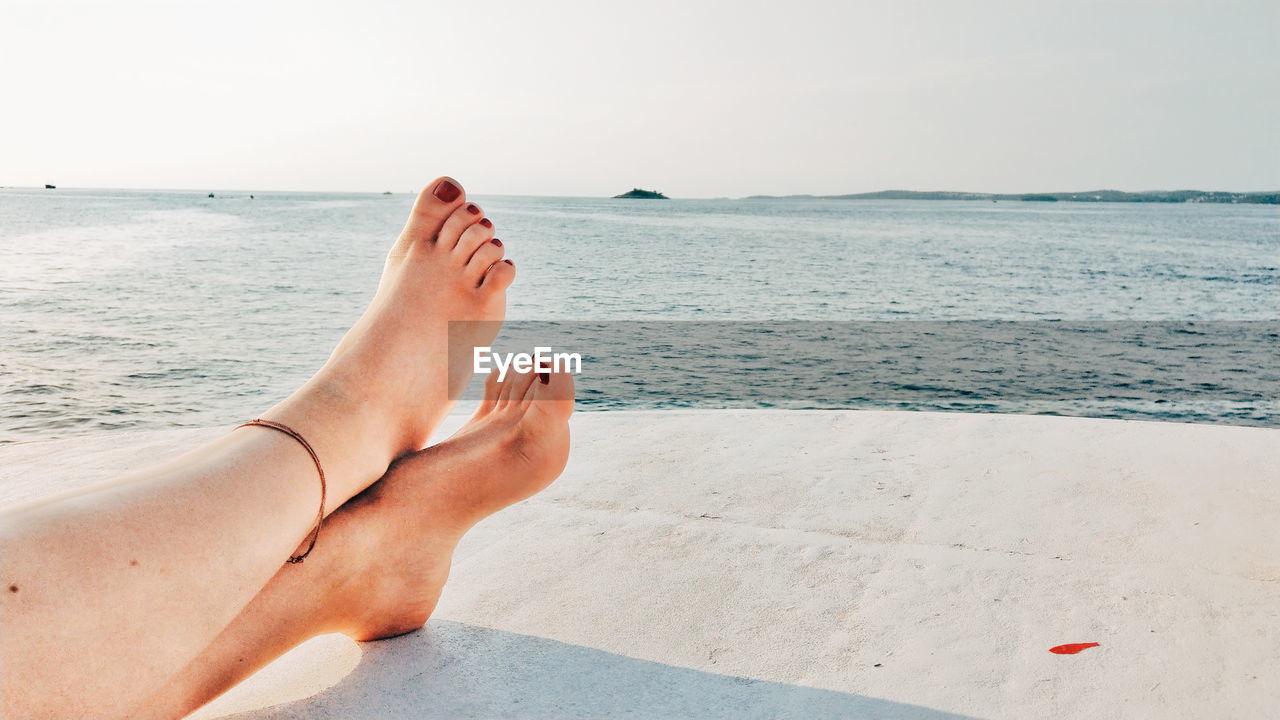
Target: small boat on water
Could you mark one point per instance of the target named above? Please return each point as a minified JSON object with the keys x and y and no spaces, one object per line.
{"x":47,"y":186}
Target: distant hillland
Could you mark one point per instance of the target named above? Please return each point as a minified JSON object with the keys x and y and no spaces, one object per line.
{"x":638,"y":194}
{"x":1153,"y":196}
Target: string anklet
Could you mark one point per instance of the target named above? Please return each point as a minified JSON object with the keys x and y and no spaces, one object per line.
{"x":281,"y":427}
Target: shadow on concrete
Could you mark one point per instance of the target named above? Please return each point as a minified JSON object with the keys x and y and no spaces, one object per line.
{"x":453,"y":670}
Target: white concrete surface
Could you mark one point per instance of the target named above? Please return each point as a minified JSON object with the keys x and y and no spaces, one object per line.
{"x":740,"y":564}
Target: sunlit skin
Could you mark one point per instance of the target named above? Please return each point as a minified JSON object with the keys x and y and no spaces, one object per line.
{"x":386,"y":553}
{"x":112,"y":592}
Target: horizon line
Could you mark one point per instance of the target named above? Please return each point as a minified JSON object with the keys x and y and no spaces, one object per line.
{"x":609,"y":197}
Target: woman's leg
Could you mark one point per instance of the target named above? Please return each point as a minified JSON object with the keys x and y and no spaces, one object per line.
{"x":386,"y":553}
{"x":105,"y":594}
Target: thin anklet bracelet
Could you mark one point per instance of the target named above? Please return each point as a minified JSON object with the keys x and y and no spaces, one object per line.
{"x":315,"y":534}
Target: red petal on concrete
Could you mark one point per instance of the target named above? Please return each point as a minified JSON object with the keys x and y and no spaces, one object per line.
{"x":1071,"y":648}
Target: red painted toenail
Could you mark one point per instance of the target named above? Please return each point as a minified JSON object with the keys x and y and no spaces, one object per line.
{"x":485,"y":222}
{"x":447,"y":191}
{"x":471,"y":208}
{"x":509,"y":262}
{"x":545,"y":378}
{"x":497,"y":242}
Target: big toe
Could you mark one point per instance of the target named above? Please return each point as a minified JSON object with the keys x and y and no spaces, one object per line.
{"x":553,"y":394}
{"x":434,"y":205}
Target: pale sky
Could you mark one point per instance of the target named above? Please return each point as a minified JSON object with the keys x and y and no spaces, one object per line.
{"x":697,"y":99}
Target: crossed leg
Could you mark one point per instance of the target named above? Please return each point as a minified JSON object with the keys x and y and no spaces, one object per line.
{"x":106,"y":594}
{"x":386,"y":553}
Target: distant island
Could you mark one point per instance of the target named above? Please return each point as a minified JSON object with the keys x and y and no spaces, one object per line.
{"x":638,"y":194}
{"x":1153,"y":196}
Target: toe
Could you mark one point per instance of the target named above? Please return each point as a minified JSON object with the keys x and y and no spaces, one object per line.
{"x":483,"y":258}
{"x":520,"y":387}
{"x":473,"y":239}
{"x":507,"y":387}
{"x":462,"y":218}
{"x":435,"y":203}
{"x":500,"y":276}
{"x":492,"y":388}
{"x":554,"y":391}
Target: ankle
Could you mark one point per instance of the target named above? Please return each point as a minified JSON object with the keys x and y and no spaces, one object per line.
{"x":345,"y":431}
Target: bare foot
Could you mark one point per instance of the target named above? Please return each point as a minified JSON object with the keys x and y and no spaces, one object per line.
{"x":401,"y":532}
{"x":388,"y":383}
{"x":383,"y":557}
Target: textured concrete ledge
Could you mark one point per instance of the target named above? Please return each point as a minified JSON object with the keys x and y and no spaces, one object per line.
{"x":732,"y":564}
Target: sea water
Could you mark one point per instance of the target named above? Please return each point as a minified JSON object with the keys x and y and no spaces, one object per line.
{"x":140,"y":310}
